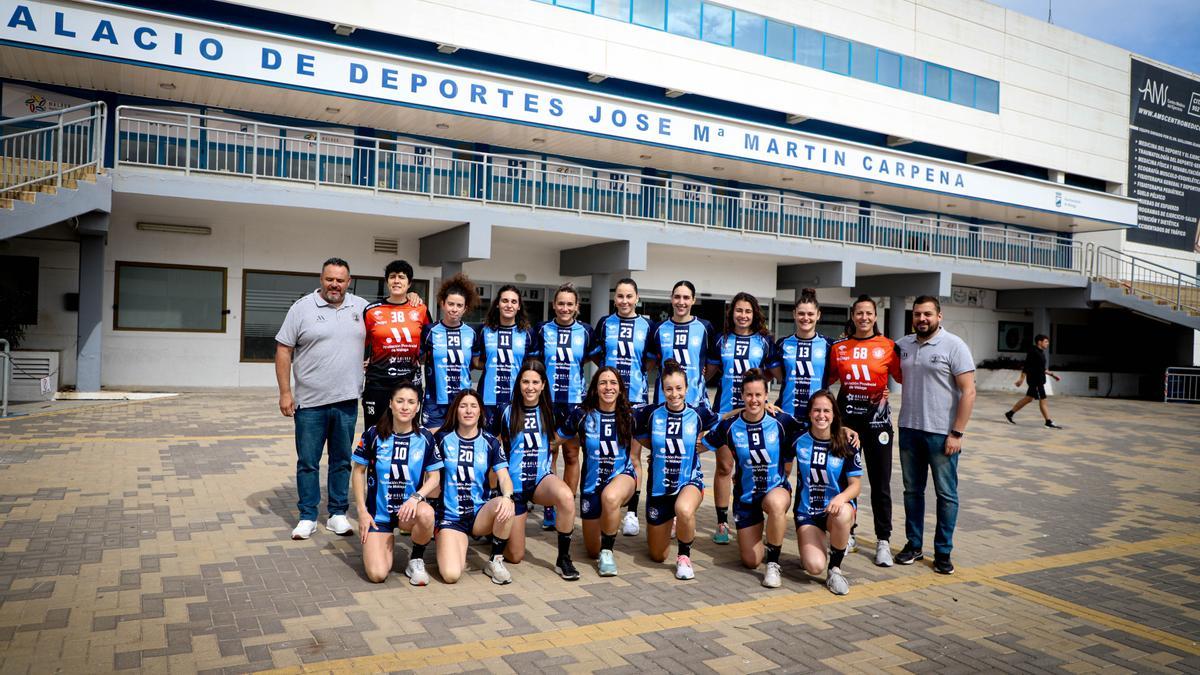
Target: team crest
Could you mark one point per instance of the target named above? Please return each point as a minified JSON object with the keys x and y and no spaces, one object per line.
{"x":414,"y":315}
{"x":877,"y":353}
{"x":652,"y":513}
{"x":586,"y":506}
{"x":884,"y":437}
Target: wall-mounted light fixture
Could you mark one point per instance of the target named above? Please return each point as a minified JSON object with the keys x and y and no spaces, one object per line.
{"x":175,"y":229}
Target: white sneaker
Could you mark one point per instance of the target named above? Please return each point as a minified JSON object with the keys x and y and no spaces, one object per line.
{"x":629,"y":524}
{"x":417,"y":576}
{"x":852,"y":545}
{"x":339,"y":525}
{"x":772,"y":578}
{"x":304,"y":529}
{"x":495,"y":569}
{"x":683,"y":568}
{"x":836,"y":581}
{"x":883,"y":554}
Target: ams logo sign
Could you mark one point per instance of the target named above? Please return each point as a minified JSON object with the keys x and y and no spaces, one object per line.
{"x":1155,"y":92}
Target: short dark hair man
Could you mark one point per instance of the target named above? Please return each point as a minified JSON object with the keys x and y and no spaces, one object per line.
{"x":935,"y":406}
{"x":1035,"y":371}
{"x":321,"y":344}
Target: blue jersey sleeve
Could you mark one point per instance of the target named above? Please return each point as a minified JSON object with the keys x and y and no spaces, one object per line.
{"x":769,"y":351}
{"x":641,"y":426}
{"x":497,"y":458}
{"x":365,"y":452}
{"x":477,"y":348}
{"x":710,"y":342}
{"x":535,"y":347}
{"x":599,"y":339}
{"x":433,"y":452}
{"x":653,"y":345}
{"x":719,"y":435}
{"x":590,"y":343}
{"x":426,"y":331}
{"x":713,"y":352}
{"x":708,"y":418}
{"x":775,"y":360}
{"x":855,"y":466}
{"x":570,"y":426}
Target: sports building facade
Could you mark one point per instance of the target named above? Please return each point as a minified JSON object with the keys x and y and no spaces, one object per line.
{"x":174,"y":173}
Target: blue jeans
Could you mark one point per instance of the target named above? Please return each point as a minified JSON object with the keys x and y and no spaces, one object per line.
{"x":332,"y":423}
{"x":920,"y":453}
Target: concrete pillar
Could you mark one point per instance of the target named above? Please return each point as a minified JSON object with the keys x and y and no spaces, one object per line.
{"x":601,"y":283}
{"x":93,"y":229}
{"x":895,"y":329}
{"x":1041,"y":326}
{"x":449,"y":269}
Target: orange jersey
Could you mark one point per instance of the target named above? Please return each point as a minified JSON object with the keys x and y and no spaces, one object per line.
{"x":863,"y":365}
{"x":394,"y":341}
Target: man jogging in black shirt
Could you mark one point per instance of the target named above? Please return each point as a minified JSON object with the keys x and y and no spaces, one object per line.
{"x":1035,"y":372}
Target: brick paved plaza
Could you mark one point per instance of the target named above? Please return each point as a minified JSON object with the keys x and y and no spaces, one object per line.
{"x":155,"y":536}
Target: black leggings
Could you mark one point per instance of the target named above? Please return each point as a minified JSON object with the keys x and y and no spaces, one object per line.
{"x":877,"y":441}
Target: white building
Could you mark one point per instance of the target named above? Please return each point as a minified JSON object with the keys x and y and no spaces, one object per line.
{"x":222,"y":150}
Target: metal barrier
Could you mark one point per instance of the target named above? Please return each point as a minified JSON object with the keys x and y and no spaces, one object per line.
{"x":43,"y":150}
{"x":194,"y":143}
{"x":1145,"y":279}
{"x":5,"y":376}
{"x":1181,"y":385}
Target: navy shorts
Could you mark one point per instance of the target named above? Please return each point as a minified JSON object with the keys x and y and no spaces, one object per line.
{"x":590,"y":506}
{"x":1036,"y":392}
{"x":384,"y":527}
{"x":433,"y":415}
{"x":749,"y":515}
{"x":522,"y":499}
{"x":452,"y":521}
{"x":821,"y":520}
{"x":661,"y":509}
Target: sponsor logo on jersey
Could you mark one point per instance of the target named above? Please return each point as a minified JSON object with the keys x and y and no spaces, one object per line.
{"x":414,"y":315}
{"x":877,"y":353}
{"x":884,"y":437}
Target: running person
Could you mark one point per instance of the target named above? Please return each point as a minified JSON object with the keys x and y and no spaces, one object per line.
{"x":603,"y":427}
{"x":397,"y":469}
{"x":621,"y":343}
{"x":1035,"y":370}
{"x":801,"y":360}
{"x":685,"y":339}
{"x":446,"y":348}
{"x":674,"y":480}
{"x":828,"y":482}
{"x":394,"y":327}
{"x":862,"y":363}
{"x":761,"y":444}
{"x":470,"y":454}
{"x":505,"y":340}
{"x":526,"y":429}
{"x":745,"y":344}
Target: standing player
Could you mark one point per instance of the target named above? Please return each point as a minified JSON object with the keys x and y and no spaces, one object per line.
{"x":761,"y":445}
{"x":603,"y":427}
{"x":505,"y":340}
{"x":862,"y":363}
{"x":801,"y":360}
{"x":828,"y":481}
{"x":745,"y":344}
{"x":394,"y":327}
{"x":446,"y":348}
{"x":621,"y":343}
{"x":1035,"y":371}
{"x":685,"y":339}
{"x":674,"y":480}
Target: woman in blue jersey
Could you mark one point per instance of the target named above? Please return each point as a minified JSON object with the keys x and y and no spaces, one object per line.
{"x":602,"y":429}
{"x":800,"y":361}
{"x":674,"y":481}
{"x":505,"y":340}
{"x":621,"y":342}
{"x":447,"y":347}
{"x":469,"y":455}
{"x":828,"y":481}
{"x":397,"y":470}
{"x":761,"y":444}
{"x":526,"y":429}
{"x":685,"y":339}
{"x":745,"y":344}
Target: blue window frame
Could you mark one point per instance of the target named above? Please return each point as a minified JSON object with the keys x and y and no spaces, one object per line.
{"x":580,"y":5}
{"x":837,"y":55}
{"x":780,"y":43}
{"x":862,"y":61}
{"x":937,"y":81}
{"x":650,"y":13}
{"x":888,"y":69}
{"x":718,"y":24}
{"x":749,"y":32}
{"x":613,"y":9}
{"x":683,"y":18}
{"x":987,"y":95}
{"x":810,"y":47}
{"x":912,"y":75}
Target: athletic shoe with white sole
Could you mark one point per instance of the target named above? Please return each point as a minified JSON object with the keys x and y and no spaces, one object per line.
{"x":629,"y":525}
{"x":683,"y":568}
{"x":772,"y":577}
{"x":339,"y":525}
{"x":608,"y":566}
{"x":883,"y":553}
{"x":852,"y":545}
{"x":564,"y":568}
{"x":495,"y":569}
{"x":417,"y":576}
{"x":721,"y":534}
{"x":836,"y":582}
{"x":304,"y":530}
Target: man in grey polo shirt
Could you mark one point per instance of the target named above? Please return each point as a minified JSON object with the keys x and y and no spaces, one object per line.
{"x":321,"y":344}
{"x":938,"y":375}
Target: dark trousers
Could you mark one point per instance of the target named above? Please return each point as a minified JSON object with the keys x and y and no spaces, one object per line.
{"x":877,"y":443}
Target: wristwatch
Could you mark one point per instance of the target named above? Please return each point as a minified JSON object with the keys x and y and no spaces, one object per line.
{"x":956,"y":433}
{"x":508,"y":497}
{"x":418,"y":496}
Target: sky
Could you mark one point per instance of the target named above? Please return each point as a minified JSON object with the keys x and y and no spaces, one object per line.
{"x":1164,"y":30}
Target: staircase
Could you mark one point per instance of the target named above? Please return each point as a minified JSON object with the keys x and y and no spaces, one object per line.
{"x":1145,"y":287}
{"x":51,"y":168}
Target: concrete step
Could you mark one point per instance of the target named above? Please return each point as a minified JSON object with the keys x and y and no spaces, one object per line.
{"x":6,"y":203}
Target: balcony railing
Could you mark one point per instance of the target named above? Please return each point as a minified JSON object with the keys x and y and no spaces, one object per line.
{"x":195,"y":143}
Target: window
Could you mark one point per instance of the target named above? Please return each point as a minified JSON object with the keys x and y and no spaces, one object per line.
{"x":780,"y":44}
{"x":888,"y":69}
{"x":809,"y":47}
{"x":718,"y":24}
{"x":650,"y":13}
{"x":912,"y":75}
{"x":1014,"y":336}
{"x":613,"y":9}
{"x":19,"y":289}
{"x":837,"y":55}
{"x":684,"y":18}
{"x":937,"y":81}
{"x":581,"y":5}
{"x":862,"y":61}
{"x":749,"y":32}
{"x":987,"y":95}
{"x":169,"y":298}
{"x":962,"y":88}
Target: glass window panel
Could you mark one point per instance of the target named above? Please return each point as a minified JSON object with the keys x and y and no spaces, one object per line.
{"x":937,"y":81}
{"x":651,"y":13}
{"x":581,"y":5}
{"x":912,"y":75}
{"x":862,"y":61}
{"x":613,"y":9}
{"x":837,"y":55}
{"x":780,"y":43}
{"x":962,"y":87}
{"x":987,"y":94}
{"x":888,"y":69}
{"x":683,"y":18}
{"x":170,"y":298}
{"x":718,"y":24}
{"x":749,"y":32}
{"x":809,"y":47}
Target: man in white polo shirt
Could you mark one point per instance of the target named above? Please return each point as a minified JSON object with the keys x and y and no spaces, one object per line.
{"x":935,"y":406}
{"x":321,"y":344}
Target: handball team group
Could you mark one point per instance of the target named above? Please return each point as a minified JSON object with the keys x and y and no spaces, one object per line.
{"x":446,"y":460}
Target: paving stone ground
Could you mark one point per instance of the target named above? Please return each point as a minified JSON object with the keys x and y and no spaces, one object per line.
{"x":155,"y":536}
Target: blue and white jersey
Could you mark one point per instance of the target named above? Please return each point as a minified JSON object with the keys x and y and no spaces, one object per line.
{"x":464,"y":473}
{"x":448,"y":360}
{"x":761,"y":450}
{"x":736,"y":354}
{"x":563,"y":349}
{"x":503,"y":351}
{"x":673,"y":438}
{"x":528,"y":452}
{"x":621,"y":344}
{"x":690,"y":344}
{"x":396,"y":468}
{"x":805,"y":366}
{"x":821,"y":475}
{"x":602,"y":453}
